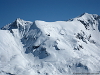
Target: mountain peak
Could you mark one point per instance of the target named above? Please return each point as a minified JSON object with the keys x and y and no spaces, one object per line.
{"x":17,"y":24}
{"x":22,"y":22}
{"x":88,"y":15}
{"x":85,"y":14}
{"x":19,"y":20}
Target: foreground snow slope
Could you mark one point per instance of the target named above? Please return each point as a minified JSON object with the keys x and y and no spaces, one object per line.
{"x":51,"y":48}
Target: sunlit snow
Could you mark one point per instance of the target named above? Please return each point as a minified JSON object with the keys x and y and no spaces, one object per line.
{"x":51,"y":48}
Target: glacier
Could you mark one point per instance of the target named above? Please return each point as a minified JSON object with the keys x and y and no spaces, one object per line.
{"x":69,"y":47}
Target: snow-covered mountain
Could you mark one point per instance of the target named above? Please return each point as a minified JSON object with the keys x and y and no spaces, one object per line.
{"x":51,"y":48}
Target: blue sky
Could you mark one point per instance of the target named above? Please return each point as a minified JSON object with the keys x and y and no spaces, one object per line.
{"x":47,"y":10}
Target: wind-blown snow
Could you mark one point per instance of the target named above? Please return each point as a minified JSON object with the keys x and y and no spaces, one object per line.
{"x":51,"y":48}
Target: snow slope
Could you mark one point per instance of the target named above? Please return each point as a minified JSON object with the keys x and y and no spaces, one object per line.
{"x":51,"y":48}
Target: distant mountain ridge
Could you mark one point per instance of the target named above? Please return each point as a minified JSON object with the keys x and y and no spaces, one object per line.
{"x":51,"y":48}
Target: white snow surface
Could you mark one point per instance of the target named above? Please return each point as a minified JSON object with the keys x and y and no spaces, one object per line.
{"x":51,"y":48}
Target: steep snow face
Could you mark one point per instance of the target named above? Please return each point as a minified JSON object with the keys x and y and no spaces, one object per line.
{"x":51,"y":48}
